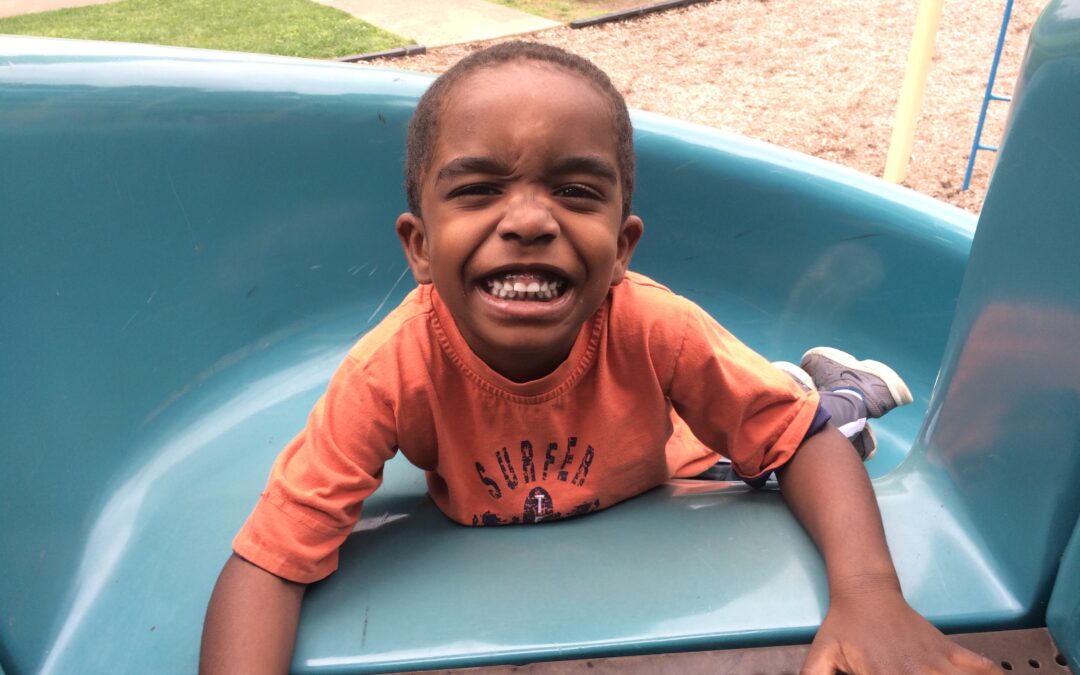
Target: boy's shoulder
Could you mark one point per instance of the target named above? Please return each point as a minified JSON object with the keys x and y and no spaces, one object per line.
{"x":648,"y":300}
{"x":406,"y":323}
{"x":643,"y":306}
{"x":635,"y":282}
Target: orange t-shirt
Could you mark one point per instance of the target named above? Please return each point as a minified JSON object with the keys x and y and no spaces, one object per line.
{"x":605,"y":426}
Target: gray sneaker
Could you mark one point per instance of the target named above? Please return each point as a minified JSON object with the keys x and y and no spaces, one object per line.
{"x":865,"y":442}
{"x":881,"y":387}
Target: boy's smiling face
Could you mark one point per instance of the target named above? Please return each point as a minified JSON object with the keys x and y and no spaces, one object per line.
{"x":521,"y":226}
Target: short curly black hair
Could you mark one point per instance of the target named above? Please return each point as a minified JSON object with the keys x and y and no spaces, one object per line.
{"x":424,"y":126}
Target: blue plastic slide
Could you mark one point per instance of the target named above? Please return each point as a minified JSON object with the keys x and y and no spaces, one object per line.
{"x":190,"y":240}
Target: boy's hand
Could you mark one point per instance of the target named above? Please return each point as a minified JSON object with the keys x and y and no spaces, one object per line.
{"x":875,"y":632}
{"x":869,"y":628}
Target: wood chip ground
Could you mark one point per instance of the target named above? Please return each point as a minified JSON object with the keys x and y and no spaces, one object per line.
{"x":819,"y":77}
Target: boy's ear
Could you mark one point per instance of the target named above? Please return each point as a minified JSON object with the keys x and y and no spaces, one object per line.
{"x":410,"y":230}
{"x":629,"y":236}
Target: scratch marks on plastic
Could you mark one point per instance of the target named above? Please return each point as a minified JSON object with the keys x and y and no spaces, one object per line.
{"x":184,"y":213}
{"x":388,"y":294}
{"x":138,"y":312}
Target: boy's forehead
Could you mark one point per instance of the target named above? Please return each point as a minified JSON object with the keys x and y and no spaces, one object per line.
{"x":529,"y":83}
{"x":521,"y":69}
{"x":509,"y":96}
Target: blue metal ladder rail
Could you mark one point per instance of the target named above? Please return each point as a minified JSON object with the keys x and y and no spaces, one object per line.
{"x":977,"y":145}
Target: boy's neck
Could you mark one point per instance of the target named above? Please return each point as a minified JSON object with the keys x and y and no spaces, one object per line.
{"x":522,"y":375}
{"x":520,"y":368}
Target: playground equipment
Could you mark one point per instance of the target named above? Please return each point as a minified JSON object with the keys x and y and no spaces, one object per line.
{"x":911,"y":93}
{"x":989,"y":96}
{"x":189,"y":242}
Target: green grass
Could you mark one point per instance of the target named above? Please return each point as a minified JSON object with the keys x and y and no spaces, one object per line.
{"x":561,"y":10}
{"x":286,"y":27}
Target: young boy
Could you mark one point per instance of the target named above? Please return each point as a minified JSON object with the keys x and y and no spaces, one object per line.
{"x":527,"y":324}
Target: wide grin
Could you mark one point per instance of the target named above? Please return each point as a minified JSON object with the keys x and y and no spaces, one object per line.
{"x":533,"y":286}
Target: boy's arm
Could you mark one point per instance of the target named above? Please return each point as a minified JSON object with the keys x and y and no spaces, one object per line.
{"x":251,"y":622}
{"x":869,"y":627}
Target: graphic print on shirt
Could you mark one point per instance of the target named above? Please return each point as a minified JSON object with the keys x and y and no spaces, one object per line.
{"x":518,"y":472}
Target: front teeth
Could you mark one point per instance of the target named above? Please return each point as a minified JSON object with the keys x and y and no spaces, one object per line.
{"x":519,"y":290}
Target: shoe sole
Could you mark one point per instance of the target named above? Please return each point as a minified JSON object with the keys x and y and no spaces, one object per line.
{"x":898,"y":389}
{"x":796,"y":373}
{"x":873,"y":442}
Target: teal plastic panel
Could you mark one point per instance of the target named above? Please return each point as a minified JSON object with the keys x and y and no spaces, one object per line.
{"x":189,"y":241}
{"x":1003,"y":425}
{"x":168,"y":220}
{"x":1053,"y":53}
{"x":1063,"y":613}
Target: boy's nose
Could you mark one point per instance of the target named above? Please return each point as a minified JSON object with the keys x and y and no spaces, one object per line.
{"x":528,"y":220}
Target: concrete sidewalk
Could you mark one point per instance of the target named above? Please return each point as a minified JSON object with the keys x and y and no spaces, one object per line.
{"x":433,"y":23}
{"x":16,"y":7}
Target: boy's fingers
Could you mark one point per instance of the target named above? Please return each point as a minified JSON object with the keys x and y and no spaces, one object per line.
{"x":823,"y":659}
{"x":970,"y":662}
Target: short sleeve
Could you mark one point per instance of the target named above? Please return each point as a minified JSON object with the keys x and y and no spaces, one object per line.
{"x":319,"y":481}
{"x":735,"y":401}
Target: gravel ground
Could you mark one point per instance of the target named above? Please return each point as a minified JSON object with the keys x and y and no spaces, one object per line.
{"x":819,"y":77}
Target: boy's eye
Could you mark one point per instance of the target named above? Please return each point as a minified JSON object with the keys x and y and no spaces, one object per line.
{"x":474,"y":190}
{"x":577,"y":191}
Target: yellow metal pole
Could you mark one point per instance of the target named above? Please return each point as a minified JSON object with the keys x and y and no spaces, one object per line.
{"x":907,"y":110}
